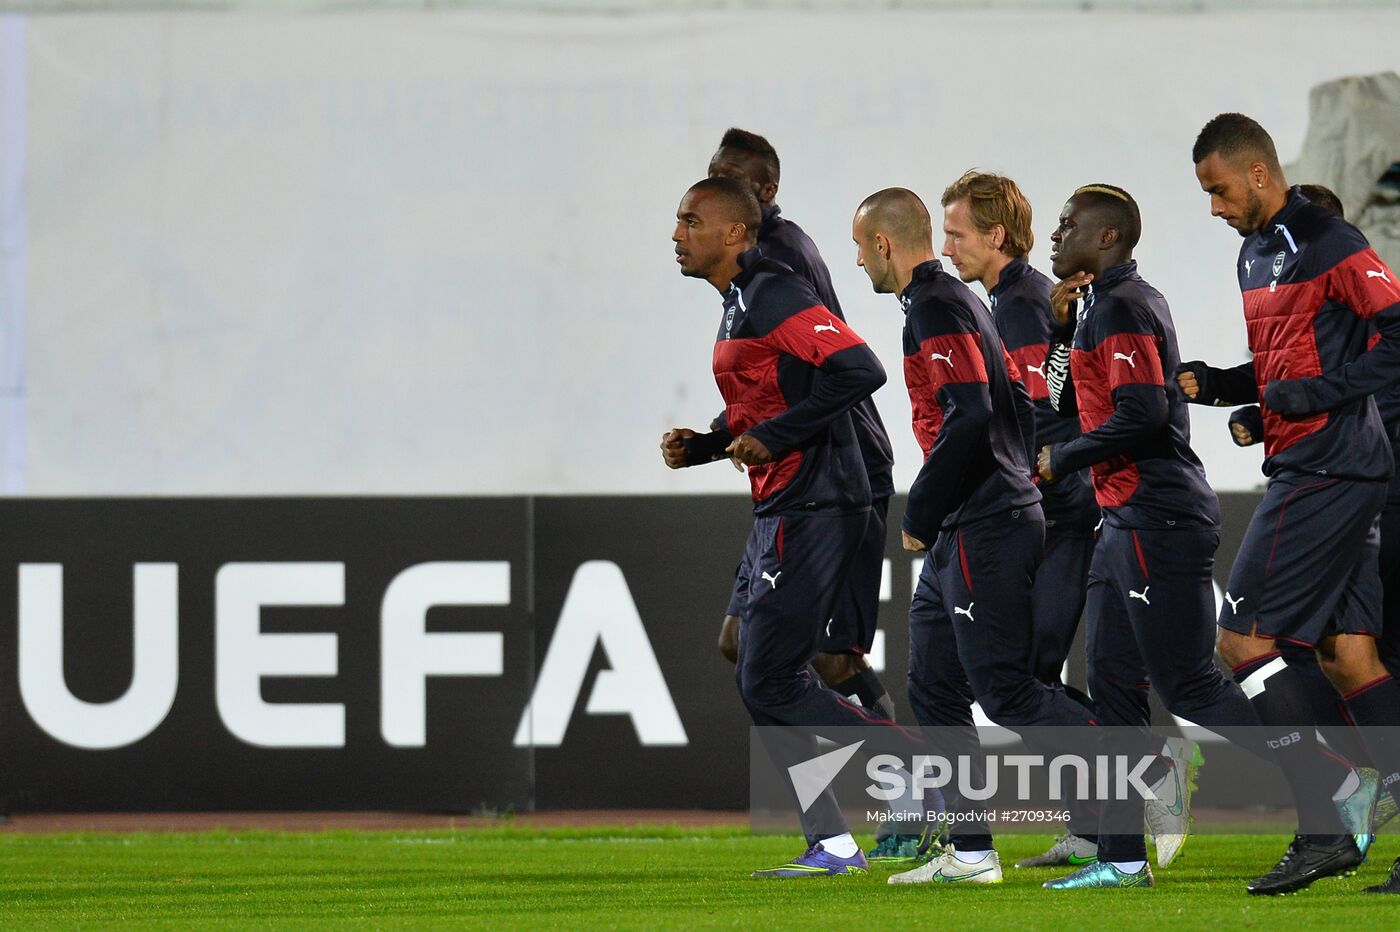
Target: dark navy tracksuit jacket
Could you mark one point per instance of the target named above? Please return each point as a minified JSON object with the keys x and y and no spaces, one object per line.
{"x":789,"y":372}
{"x":970,"y":623}
{"x":1021,"y":308}
{"x":1313,"y":291}
{"x":1151,"y":598}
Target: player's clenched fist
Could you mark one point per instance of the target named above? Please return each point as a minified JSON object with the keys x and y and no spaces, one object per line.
{"x":1042,"y":465}
{"x":673,"y":446}
{"x":1247,"y":426}
{"x":912,"y":543}
{"x":1186,"y":381}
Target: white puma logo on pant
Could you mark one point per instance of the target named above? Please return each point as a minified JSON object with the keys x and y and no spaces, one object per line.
{"x":773,"y":580}
{"x":1234,"y":603}
{"x":1140,"y":595}
{"x":965,"y":611}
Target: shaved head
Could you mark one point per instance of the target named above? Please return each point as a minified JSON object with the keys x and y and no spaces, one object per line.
{"x":899,"y":214}
{"x":893,"y":233}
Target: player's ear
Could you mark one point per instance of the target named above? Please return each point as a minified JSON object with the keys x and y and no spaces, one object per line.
{"x":998,"y":235}
{"x":1108,"y":236}
{"x":738,"y":232}
{"x":883,"y":245}
{"x":1258,"y":175}
{"x":768,"y":192}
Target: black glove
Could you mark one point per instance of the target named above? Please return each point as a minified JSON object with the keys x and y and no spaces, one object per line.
{"x":1252,"y":420}
{"x":1288,"y":397}
{"x":1207,"y":393}
{"x":706,"y":448}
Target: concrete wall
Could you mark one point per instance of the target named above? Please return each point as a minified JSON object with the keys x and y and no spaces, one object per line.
{"x":428,"y":252}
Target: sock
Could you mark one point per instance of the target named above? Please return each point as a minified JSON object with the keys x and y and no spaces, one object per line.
{"x":1376,"y":707}
{"x":843,"y":846}
{"x":1157,"y":771}
{"x":970,"y":843}
{"x":865,"y":688}
{"x":1281,"y":698}
{"x":1122,"y":849}
{"x":1129,"y":867}
{"x":1164,"y":789}
{"x":1328,"y":712}
{"x":971,"y":857}
{"x":1349,"y":786}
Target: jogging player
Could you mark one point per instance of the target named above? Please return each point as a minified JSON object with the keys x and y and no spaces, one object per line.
{"x":841,"y":660}
{"x":1151,"y":599}
{"x":1307,"y":569}
{"x":789,"y":373}
{"x":972,"y":507}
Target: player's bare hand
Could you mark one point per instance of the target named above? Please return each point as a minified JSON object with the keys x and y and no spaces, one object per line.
{"x":912,"y":543}
{"x":673,"y":446}
{"x":749,"y":450}
{"x":1042,"y":465}
{"x":1243,"y":438}
{"x":1187,"y":382}
{"x":1065,"y":291}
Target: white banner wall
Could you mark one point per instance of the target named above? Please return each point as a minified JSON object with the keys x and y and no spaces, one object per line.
{"x":428,"y":253}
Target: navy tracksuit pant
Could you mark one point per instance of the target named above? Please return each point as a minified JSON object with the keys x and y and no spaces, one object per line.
{"x":1151,"y":625}
{"x":970,"y":637}
{"x":797,"y":565}
{"x":1057,"y":599}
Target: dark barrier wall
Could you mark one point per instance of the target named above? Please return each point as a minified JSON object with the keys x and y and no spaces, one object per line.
{"x":421,"y":653}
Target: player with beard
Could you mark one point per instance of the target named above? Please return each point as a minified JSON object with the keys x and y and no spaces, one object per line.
{"x":1307,"y":570}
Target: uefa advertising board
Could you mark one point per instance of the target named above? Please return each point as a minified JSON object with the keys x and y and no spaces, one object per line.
{"x":446,"y":654}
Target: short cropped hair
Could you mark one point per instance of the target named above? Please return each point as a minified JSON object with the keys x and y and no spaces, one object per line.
{"x":1235,"y":136}
{"x":995,"y":199}
{"x":1114,"y":207}
{"x":736,"y":198}
{"x":901,"y":215}
{"x":1323,"y":197}
{"x":755,"y":145}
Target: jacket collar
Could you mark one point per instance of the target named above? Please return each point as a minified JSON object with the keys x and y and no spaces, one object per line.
{"x":1015,"y":270}
{"x":1111,"y":277}
{"x":1276,"y":228}
{"x":924,"y":273}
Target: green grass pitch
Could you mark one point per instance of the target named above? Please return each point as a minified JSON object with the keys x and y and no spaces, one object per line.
{"x":617,"y":878}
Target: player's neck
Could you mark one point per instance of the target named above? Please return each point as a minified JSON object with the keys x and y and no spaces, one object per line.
{"x":1108,"y":260}
{"x":724,"y":274}
{"x":995,"y":266}
{"x":1274,"y":199}
{"x":904,"y":266}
